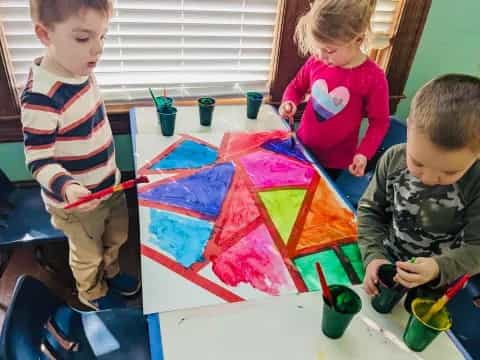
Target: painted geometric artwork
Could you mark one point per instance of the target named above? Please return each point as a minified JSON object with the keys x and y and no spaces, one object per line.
{"x":245,"y":218}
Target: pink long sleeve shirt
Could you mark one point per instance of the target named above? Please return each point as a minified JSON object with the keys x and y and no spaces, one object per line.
{"x":339,"y":99}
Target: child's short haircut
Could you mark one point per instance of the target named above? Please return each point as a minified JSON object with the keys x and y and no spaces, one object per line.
{"x":447,"y":109}
{"x":333,"y":22}
{"x":49,"y":12}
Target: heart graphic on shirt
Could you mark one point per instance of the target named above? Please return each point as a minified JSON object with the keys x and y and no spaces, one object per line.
{"x":328,"y":104}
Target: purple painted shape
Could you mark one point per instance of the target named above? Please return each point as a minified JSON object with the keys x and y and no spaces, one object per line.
{"x":284,"y":147}
{"x":270,"y":170}
{"x":203,"y":192}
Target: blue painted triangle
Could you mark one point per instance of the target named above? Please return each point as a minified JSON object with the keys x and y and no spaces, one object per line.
{"x":187,"y":155}
{"x":203,"y":192}
{"x":284,"y":147}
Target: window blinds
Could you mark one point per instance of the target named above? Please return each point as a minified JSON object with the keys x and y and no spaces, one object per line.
{"x":188,"y":47}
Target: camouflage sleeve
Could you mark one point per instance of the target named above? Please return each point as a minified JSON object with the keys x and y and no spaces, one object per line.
{"x":372,"y":217}
{"x":453,"y":263}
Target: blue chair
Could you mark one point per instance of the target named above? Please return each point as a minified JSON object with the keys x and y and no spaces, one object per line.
{"x":24,"y":220}
{"x":353,"y":187}
{"x":466,"y":317}
{"x":110,"y":334}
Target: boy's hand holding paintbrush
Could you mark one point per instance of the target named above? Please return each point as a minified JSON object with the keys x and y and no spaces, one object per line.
{"x":74,"y":192}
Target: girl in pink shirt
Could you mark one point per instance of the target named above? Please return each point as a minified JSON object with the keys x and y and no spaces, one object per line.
{"x":343,"y":86}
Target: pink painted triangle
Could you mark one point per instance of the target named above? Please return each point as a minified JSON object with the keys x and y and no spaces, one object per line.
{"x":267,"y":170}
{"x":256,"y":261}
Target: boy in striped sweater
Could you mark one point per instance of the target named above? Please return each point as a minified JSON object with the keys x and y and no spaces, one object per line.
{"x":69,"y":145}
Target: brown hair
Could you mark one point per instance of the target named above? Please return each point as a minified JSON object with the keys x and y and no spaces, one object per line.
{"x":447,"y":109}
{"x":49,"y":12}
{"x":333,"y":22}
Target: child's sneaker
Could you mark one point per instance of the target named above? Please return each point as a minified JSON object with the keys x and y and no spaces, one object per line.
{"x":109,"y":301}
{"x":124,"y":284}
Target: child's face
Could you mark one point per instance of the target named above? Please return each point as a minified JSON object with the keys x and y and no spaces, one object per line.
{"x":76,"y":43}
{"x":433,"y":165}
{"x":340,"y":55}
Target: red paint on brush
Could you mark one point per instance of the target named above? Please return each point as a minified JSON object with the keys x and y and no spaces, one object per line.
{"x":323,"y":282}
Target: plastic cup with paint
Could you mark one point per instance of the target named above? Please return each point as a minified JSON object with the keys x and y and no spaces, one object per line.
{"x":254,"y":101}
{"x":206,"y":105}
{"x":337,"y":316}
{"x":389,"y":291}
{"x":166,"y":117}
{"x":163,"y":102}
{"x":419,"y":334}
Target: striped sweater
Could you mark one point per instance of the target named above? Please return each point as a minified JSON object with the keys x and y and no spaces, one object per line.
{"x":67,"y":135}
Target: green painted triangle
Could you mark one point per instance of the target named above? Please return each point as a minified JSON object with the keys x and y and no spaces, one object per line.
{"x":283,"y":207}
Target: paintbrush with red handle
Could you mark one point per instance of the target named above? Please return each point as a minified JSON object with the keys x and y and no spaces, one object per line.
{"x":323,"y":282}
{"x":99,"y":194}
{"x":440,"y":303}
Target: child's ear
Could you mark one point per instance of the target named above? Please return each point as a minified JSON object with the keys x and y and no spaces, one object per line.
{"x":42,"y":33}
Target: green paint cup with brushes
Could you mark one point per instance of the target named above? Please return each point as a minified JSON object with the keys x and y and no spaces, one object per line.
{"x":166,"y":117}
{"x":419,"y":333}
{"x":254,"y":101}
{"x":206,"y":105}
{"x":389,"y":291}
{"x":338,"y":315}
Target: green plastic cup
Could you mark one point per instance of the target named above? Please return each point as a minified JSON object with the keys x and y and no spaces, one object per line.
{"x":336,"y":318}
{"x":418,"y":334}
{"x":163,"y":102}
{"x":167,"y":118}
{"x":205,"y":108}
{"x":389,"y":292}
{"x":254,"y":101}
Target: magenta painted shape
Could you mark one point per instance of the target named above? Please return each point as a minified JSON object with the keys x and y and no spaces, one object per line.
{"x":254,"y":260}
{"x":267,"y":170}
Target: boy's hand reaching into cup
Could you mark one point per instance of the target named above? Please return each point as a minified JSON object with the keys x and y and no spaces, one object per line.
{"x":74,"y":192}
{"x":371,"y":278}
{"x":358,"y":165}
{"x":415,"y":274}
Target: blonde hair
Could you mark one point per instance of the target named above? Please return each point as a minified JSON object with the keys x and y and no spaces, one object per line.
{"x":49,"y":12}
{"x":333,"y":22}
{"x":447,"y":110}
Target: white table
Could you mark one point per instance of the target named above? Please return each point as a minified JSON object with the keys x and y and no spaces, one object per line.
{"x":225,"y":118}
{"x":276,"y":328}
{"x":289,"y":327}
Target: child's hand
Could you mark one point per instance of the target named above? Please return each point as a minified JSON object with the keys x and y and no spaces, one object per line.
{"x":287,"y":110}
{"x":74,"y":192}
{"x":415,"y":274}
{"x":358,"y":165}
{"x":371,"y":278}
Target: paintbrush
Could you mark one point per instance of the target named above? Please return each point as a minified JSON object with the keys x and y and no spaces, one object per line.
{"x":99,"y":194}
{"x":440,"y":303}
{"x":153,"y":97}
{"x":289,"y":119}
{"x":327,"y":295}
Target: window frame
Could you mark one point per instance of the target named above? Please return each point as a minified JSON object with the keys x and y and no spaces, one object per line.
{"x":397,"y":60}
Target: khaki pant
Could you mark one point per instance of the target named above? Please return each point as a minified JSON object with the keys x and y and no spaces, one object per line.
{"x":94,"y":238}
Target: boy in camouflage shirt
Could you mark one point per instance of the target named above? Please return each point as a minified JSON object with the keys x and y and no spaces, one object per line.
{"x":424,"y":200}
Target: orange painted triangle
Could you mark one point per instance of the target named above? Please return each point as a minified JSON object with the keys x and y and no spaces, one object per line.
{"x":327,"y":221}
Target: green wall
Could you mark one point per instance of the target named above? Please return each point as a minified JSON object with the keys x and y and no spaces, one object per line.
{"x":12,"y":160}
{"x":450,"y":44}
